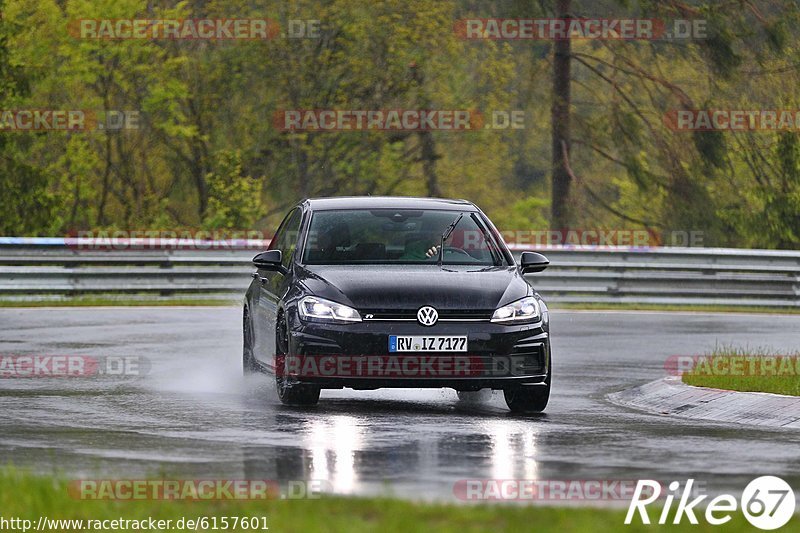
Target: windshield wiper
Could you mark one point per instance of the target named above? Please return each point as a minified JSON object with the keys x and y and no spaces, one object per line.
{"x":446,"y":234}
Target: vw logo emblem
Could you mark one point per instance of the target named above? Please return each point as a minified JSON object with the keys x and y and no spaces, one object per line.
{"x":427,"y":316}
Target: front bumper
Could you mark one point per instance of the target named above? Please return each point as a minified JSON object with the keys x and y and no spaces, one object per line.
{"x":497,"y":355}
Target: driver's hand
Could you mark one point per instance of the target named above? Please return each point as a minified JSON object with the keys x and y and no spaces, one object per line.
{"x":434,"y":250}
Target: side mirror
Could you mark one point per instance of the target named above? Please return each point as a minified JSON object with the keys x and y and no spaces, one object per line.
{"x":269,"y":260}
{"x":532,"y":262}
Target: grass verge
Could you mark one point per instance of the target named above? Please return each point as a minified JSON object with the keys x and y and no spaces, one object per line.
{"x":747,"y":370}
{"x":29,"y":497}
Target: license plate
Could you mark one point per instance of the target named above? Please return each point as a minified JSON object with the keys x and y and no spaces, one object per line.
{"x":400,"y":343}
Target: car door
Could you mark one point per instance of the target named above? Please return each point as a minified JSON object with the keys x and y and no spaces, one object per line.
{"x":273,"y":284}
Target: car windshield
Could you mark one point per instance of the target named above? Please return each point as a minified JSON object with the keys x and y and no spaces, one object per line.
{"x":402,"y":236}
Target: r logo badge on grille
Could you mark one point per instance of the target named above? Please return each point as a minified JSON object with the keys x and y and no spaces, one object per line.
{"x":427,"y":316}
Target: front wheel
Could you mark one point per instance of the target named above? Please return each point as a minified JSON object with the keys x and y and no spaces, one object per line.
{"x":529,"y":398}
{"x":290,"y":393}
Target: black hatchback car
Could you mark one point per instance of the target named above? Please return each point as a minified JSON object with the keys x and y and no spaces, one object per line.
{"x":372,"y":292}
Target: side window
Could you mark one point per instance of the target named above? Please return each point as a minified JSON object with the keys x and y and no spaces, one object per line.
{"x":285,"y":238}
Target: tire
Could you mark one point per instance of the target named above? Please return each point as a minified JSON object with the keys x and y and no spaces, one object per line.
{"x":290,"y":393}
{"x":249,"y":364}
{"x":529,"y":398}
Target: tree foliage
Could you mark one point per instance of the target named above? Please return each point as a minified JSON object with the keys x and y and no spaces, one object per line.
{"x":206,"y":153}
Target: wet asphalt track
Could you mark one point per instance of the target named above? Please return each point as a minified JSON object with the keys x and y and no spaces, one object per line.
{"x":194,"y":416}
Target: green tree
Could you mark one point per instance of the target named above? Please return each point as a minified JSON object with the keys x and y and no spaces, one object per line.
{"x":26,"y":203}
{"x":234,"y":200}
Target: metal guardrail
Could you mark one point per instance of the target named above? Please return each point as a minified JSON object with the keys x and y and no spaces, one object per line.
{"x":32,"y":268}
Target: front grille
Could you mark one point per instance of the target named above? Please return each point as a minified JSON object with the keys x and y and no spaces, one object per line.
{"x":411,"y":314}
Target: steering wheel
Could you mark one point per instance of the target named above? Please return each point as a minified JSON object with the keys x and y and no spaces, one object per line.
{"x":454,"y":250}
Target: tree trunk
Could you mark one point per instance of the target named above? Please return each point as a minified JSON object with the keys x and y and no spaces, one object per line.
{"x":429,"y":158}
{"x":560,"y":212}
{"x":428,"y":154}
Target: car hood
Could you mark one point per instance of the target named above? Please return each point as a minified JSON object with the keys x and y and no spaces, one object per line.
{"x":403,"y":287}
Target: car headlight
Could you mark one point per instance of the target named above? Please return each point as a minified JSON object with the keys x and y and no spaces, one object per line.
{"x":526,"y":309}
{"x":313,"y":308}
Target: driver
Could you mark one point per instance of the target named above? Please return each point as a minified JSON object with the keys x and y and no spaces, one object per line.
{"x":420,"y":247}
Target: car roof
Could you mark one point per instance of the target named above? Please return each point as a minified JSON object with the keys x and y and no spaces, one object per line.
{"x":388,"y":202}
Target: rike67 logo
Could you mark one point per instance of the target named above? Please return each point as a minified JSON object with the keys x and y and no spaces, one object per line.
{"x":767,"y":502}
